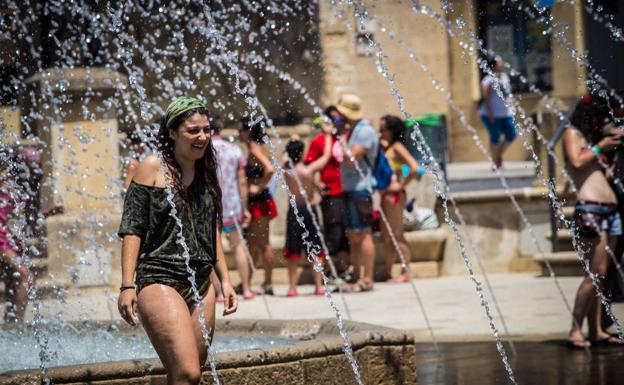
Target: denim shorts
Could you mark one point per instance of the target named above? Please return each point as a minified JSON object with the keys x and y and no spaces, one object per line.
{"x":500,"y":126}
{"x":589,"y":215}
{"x":358,"y":210}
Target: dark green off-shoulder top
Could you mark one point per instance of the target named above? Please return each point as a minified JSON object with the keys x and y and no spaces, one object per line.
{"x":146,"y":214}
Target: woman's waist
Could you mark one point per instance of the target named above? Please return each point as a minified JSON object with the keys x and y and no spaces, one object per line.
{"x":262,"y":195}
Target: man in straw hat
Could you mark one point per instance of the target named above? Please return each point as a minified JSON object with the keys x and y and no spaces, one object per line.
{"x":361,"y":144}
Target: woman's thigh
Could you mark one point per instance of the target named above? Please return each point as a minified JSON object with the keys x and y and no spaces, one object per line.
{"x":167,"y":321}
{"x":394,"y":214}
{"x":259,"y":231}
{"x":209,"y":303}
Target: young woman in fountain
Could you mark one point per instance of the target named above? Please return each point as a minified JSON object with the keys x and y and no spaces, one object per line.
{"x":262,"y":208}
{"x":163,"y":298}
{"x":596,"y":206}
{"x":405,"y":168}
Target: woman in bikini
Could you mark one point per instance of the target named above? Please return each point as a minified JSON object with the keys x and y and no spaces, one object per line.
{"x":393,"y":199}
{"x":262,"y":208}
{"x":164,"y":298}
{"x":596,"y":217}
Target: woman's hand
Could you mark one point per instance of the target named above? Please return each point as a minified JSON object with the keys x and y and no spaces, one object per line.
{"x":610,"y":142}
{"x":230,"y":298}
{"x":127,"y":305}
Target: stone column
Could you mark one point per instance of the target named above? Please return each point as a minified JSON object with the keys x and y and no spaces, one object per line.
{"x":73,"y":113}
{"x":568,"y":74}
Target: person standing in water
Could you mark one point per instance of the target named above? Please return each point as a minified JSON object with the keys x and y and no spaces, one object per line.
{"x":596,"y":217}
{"x":496,"y":116}
{"x":164,"y":298}
{"x":295,"y":170}
{"x":259,"y":171}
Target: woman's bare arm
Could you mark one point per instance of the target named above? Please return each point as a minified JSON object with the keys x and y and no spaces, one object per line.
{"x":231,"y":301}
{"x":269,"y":169}
{"x":407,"y":157}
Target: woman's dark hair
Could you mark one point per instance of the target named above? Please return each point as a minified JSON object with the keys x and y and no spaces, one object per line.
{"x":256,"y":130}
{"x":590,"y":114}
{"x":329,"y":109}
{"x":396,"y":126}
{"x":294,"y":149}
{"x":205,"y":168}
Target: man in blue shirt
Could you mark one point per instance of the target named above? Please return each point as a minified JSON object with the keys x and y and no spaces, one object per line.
{"x":360,"y":144}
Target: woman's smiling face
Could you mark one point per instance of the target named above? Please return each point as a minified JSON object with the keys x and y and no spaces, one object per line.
{"x":192,"y":137}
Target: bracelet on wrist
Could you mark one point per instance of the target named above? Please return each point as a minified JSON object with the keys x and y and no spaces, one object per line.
{"x":596,"y":150}
{"x":122,"y":288}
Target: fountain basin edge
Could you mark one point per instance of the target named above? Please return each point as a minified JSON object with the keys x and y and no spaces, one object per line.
{"x":385,"y":356}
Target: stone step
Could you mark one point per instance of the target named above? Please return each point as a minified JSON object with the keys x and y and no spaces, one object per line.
{"x":564,"y":263}
{"x":478,"y":176}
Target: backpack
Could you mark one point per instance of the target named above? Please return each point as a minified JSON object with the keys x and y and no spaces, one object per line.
{"x":382,"y":172}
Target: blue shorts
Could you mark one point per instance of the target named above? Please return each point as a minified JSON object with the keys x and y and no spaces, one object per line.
{"x":500,"y":126}
{"x":590,"y":216}
{"x":228,"y":229}
{"x":359,"y":211}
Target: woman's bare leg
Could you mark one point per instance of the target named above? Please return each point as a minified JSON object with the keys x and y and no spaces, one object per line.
{"x":242,"y":264}
{"x":259,"y":237}
{"x":394,"y":213}
{"x":16,"y":287}
{"x":599,"y":265}
{"x":167,"y":321}
{"x":585,"y":296}
{"x":209,"y":318}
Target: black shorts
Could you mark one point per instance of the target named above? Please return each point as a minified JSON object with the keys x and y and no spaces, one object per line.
{"x":294,"y":233}
{"x":334,"y":216}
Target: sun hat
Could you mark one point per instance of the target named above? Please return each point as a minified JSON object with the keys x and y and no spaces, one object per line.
{"x":350,"y":106}
{"x":179,"y":106}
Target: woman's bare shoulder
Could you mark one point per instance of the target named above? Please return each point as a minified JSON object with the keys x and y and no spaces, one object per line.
{"x":149,"y":172}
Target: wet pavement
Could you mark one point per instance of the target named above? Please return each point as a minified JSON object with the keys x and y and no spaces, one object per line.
{"x":543,"y":363}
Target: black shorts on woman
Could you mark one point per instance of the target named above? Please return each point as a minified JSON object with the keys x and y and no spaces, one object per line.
{"x":146,"y":214}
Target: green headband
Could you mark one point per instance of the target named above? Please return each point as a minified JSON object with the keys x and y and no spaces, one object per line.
{"x":179,"y":106}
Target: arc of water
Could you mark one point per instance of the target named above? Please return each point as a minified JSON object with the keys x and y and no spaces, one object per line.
{"x":252,"y":265}
{"x":606,"y":20}
{"x":362,"y":14}
{"x":17,"y":230}
{"x":197,"y":298}
{"x":563,"y":117}
{"x":212,"y":32}
{"x":552,"y":192}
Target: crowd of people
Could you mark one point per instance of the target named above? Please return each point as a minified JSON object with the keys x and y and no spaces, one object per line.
{"x":339,"y":168}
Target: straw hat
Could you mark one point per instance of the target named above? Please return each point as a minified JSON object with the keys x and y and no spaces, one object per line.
{"x":350,"y":106}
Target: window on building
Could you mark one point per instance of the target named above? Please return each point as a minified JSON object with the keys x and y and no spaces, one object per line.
{"x":519,"y":40}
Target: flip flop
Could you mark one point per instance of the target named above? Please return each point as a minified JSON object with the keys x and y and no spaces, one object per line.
{"x":610,"y":340}
{"x":292,"y":293}
{"x":319,"y":292}
{"x":399,"y":279}
{"x":250,"y":296}
{"x":578,"y":344}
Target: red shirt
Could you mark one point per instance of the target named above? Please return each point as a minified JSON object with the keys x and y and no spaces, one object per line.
{"x":330,"y":174}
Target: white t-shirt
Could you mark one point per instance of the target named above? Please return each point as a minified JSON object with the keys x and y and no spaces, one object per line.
{"x":499,"y":109}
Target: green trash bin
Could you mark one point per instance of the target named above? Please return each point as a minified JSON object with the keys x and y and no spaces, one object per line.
{"x":433,"y":128}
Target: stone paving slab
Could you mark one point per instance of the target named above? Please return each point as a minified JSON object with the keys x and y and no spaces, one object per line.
{"x":531,"y":305}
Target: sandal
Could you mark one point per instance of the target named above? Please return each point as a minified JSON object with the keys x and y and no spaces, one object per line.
{"x":319,"y":291}
{"x":399,"y":279}
{"x":267,"y":289}
{"x":610,"y":340}
{"x":292,"y":293}
{"x":250,"y":296}
{"x":578,"y":344}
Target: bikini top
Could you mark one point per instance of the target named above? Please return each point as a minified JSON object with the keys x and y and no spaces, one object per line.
{"x":254,"y":170}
